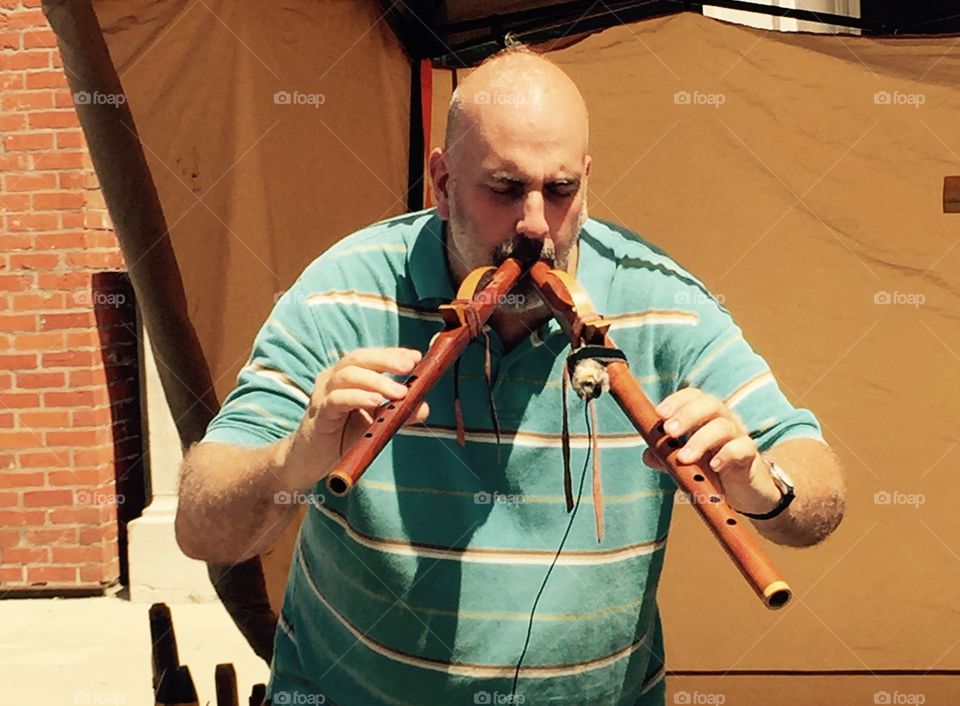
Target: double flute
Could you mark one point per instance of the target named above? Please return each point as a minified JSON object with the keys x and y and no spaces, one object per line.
{"x":571,"y":306}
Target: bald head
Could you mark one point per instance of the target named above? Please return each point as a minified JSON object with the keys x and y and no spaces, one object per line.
{"x":515,"y":91}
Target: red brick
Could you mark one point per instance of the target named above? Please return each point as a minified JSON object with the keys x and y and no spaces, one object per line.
{"x":21,"y":518}
{"x":83,"y":339}
{"x":44,"y":459}
{"x":29,"y":222}
{"x":51,"y":574}
{"x":38,"y":342}
{"x":95,"y":260}
{"x":39,"y":38}
{"x":11,"y":82}
{"x":21,"y":60}
{"x":19,"y":400}
{"x":44,"y":420}
{"x":93,"y":574}
{"x":41,"y":120}
{"x":30,"y":182}
{"x":104,"y":239}
{"x":34,"y":302}
{"x":26,"y":555}
{"x":48,"y":498}
{"x":75,"y":398}
{"x":70,"y":180}
{"x":64,"y":99}
{"x":14,"y":202}
{"x":78,"y":555}
{"x":87,"y":378}
{"x":73,"y":516}
{"x":18,"y":439}
{"x":34,"y":261}
{"x":12,"y":122}
{"x":58,"y":160}
{"x":91,"y":535}
{"x":70,"y":359}
{"x":63,"y":241}
{"x":11,"y":574}
{"x":77,"y":437}
{"x":39,"y":381}
{"x":80,"y":479}
{"x":9,"y":538}
{"x":73,"y":138}
{"x":26,"y":19}
{"x":48,"y":537}
{"x":93,"y":458}
{"x":18,"y":362}
{"x":58,"y":201}
{"x":18,"y":322}
{"x":92,"y":418}
{"x":26,"y":100}
{"x":9,"y":499}
{"x":28,"y":141}
{"x":67,"y":280}
{"x":11,"y":40}
{"x":11,"y":162}
{"x":46,"y":79}
{"x":15,"y":283}
{"x":52,"y":322}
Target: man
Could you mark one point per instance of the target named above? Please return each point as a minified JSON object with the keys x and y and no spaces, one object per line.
{"x":455,"y":574}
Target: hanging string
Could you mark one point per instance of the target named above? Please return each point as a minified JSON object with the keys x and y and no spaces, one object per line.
{"x":556,"y":557}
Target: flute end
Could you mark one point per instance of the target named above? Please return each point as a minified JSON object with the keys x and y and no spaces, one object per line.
{"x":338,"y":483}
{"x":777,"y":595}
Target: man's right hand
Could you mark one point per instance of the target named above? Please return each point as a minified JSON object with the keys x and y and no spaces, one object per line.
{"x":358,"y":382}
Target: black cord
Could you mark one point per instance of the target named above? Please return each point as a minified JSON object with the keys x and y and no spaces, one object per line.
{"x":543,"y":586}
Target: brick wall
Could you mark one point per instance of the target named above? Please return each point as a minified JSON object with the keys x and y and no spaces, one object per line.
{"x":68,"y":428}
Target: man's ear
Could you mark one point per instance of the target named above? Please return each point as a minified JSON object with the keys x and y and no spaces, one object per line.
{"x":439,"y":176}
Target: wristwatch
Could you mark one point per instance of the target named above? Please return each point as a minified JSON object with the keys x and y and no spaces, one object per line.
{"x":785,"y":485}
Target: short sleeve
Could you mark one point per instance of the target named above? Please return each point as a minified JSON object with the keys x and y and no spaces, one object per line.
{"x":273,"y":388}
{"x":719,"y":361}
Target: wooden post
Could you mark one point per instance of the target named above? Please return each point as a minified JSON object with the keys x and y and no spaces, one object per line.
{"x":951,"y":194}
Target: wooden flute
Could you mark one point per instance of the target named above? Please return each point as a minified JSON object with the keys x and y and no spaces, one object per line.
{"x":572,"y":308}
{"x":477,"y":299}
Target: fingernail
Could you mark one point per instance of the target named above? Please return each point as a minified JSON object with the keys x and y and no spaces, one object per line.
{"x":715,"y":463}
{"x":664,"y":409}
{"x":672,"y":426}
{"x":399,"y":390}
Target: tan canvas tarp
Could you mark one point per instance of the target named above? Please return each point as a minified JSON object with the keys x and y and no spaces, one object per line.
{"x":799,"y":176}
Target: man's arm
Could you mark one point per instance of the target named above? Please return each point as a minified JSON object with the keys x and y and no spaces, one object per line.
{"x":716,"y":435}
{"x":228,"y":510}
{"x":818,"y":507}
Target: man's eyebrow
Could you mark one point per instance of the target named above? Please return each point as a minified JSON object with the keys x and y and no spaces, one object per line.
{"x":512,"y":178}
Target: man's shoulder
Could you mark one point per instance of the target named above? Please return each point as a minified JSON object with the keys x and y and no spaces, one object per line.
{"x":384,"y":245}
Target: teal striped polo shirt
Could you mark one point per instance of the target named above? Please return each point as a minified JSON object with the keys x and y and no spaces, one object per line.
{"x":445,"y":564}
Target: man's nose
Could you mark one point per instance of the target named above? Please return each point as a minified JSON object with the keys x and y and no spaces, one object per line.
{"x":533,"y":222}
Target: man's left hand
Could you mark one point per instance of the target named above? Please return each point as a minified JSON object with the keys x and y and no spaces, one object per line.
{"x":716,"y":437}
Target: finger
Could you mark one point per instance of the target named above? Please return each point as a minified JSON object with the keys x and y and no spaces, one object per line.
{"x":735,"y":456}
{"x":355,"y":377}
{"x":674,"y":401}
{"x":339,"y":403}
{"x":650,"y":459}
{"x":694,"y":414}
{"x":707,"y":440}
{"x":399,"y":361}
{"x":420,"y":416}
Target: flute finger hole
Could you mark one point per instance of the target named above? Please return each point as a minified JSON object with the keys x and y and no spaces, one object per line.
{"x":367,"y":435}
{"x":714,"y":499}
{"x":731,"y":521}
{"x":698,"y":477}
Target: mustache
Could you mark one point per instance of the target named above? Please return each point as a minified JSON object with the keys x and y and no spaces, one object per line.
{"x":526,"y":249}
